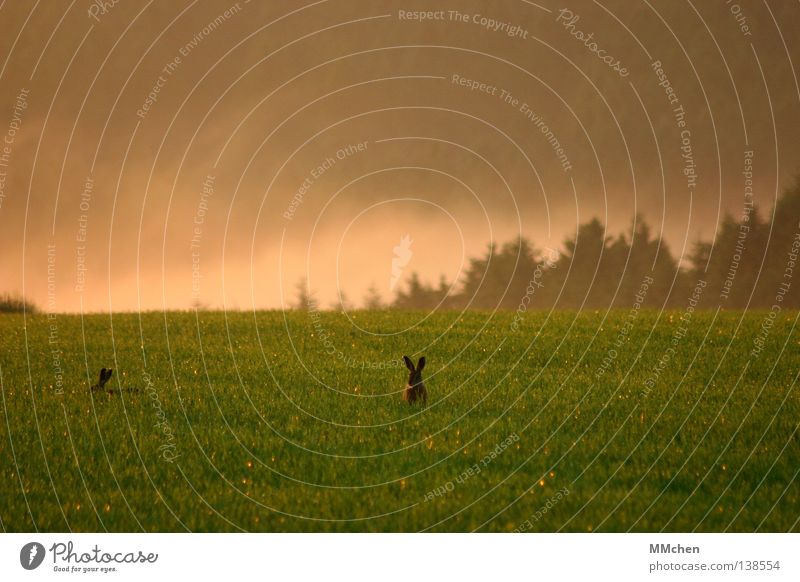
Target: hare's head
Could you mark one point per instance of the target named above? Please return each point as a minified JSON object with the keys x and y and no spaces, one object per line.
{"x":105,"y":376}
{"x":415,"y":374}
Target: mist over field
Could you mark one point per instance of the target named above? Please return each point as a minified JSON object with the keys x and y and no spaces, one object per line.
{"x":217,"y":153}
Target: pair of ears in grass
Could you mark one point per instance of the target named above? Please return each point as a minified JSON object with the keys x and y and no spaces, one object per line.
{"x":410,"y":364}
{"x":105,"y":376}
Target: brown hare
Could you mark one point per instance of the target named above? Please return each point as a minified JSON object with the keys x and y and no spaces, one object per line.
{"x":415,"y":389}
{"x":105,"y":376}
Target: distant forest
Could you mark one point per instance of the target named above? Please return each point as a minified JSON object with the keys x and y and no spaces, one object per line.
{"x":751,"y":263}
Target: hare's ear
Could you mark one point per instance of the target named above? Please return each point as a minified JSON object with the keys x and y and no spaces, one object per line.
{"x":102,"y":375}
{"x":108,"y":374}
{"x":421,"y":363}
{"x":409,"y":363}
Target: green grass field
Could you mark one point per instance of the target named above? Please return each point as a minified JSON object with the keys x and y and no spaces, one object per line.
{"x":280,"y":422}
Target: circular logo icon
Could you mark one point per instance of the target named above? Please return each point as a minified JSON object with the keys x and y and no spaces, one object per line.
{"x":31,"y":555}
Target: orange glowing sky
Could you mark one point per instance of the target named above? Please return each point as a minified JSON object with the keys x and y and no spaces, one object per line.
{"x":267,"y":103}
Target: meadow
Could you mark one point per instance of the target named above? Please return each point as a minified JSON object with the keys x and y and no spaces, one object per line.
{"x":272,"y":421}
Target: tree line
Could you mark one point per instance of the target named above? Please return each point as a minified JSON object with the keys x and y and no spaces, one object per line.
{"x":751,"y":263}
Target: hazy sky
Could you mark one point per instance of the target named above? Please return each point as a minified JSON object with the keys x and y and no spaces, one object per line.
{"x":157,"y":153}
